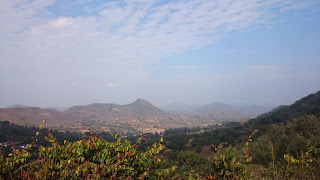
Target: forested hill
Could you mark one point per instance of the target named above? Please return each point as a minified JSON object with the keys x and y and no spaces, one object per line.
{"x":24,"y":134}
{"x":307,"y":105}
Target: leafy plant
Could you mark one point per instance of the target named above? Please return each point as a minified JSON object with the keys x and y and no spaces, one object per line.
{"x":94,"y":158}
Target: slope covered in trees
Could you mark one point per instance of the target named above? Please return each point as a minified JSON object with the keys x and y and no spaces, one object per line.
{"x":307,"y":105}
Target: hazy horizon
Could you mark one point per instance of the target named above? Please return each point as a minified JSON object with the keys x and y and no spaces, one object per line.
{"x":236,"y":104}
{"x":77,"y":52}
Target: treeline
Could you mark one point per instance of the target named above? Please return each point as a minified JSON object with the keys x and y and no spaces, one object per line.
{"x":23,"y":134}
{"x":13,"y":136}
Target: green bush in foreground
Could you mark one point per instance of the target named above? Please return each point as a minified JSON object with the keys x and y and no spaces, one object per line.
{"x":94,"y":158}
{"x":97,"y":158}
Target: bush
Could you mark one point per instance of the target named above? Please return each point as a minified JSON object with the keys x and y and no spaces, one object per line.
{"x":93,"y":158}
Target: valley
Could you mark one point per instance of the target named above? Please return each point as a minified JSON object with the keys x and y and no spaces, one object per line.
{"x":135,"y":118}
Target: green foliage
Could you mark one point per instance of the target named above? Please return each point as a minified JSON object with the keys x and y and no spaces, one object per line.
{"x":93,"y":158}
{"x":290,"y":150}
{"x":292,"y":138}
{"x":231,"y":163}
{"x":10,"y":165}
{"x":307,"y":165}
{"x":228,"y":165}
{"x":191,"y":164}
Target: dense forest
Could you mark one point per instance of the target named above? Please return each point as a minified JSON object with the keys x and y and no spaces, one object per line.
{"x":281,"y":144}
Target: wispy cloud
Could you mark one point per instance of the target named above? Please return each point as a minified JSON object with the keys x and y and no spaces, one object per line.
{"x":129,"y":31}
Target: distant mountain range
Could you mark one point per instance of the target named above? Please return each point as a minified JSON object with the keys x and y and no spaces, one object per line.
{"x":227,"y":112}
{"x":218,"y":111}
{"x":179,"y":107}
{"x":134,"y":118}
{"x":17,"y":106}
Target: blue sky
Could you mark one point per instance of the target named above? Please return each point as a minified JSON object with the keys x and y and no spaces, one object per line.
{"x":61,"y":53}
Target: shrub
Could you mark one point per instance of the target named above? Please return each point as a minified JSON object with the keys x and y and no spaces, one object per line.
{"x":93,"y":158}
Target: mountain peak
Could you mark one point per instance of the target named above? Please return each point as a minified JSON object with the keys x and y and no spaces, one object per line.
{"x":141,"y":101}
{"x":142,"y":106}
{"x":219,"y":105}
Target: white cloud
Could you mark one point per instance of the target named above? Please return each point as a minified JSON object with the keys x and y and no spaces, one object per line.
{"x":62,"y":22}
{"x":111,"y":85}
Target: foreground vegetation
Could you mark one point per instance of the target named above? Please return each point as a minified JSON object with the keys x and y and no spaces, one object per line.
{"x":92,"y":158}
{"x":97,"y":158}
